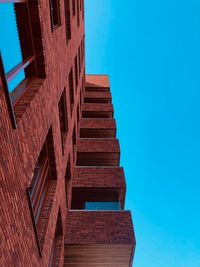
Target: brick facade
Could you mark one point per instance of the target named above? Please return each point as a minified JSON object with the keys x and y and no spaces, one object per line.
{"x":36,"y":113}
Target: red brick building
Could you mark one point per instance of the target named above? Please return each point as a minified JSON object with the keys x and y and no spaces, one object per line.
{"x":62,"y":188}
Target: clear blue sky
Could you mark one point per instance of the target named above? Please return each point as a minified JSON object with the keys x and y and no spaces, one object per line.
{"x":9,"y":43}
{"x":151,"y":50}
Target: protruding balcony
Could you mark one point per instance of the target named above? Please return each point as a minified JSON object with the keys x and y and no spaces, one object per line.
{"x":97,"y":128}
{"x":97,"y":97}
{"x":97,"y":184}
{"x":99,"y":238}
{"x":98,"y":152}
{"x":97,"y":83}
{"x":97,"y":110}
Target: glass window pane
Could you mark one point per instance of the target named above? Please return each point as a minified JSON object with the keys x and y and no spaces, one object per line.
{"x":102,"y":206}
{"x":19,"y":77}
{"x":9,"y":40}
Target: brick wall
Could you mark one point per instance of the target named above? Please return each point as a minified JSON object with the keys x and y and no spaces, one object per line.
{"x":36,"y":112}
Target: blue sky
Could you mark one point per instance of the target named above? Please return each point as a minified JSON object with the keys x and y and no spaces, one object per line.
{"x":9,"y":43}
{"x":151,"y":51}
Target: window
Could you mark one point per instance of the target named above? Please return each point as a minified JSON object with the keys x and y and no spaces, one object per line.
{"x":63,"y":118}
{"x":82,"y":51}
{"x":82,"y":9}
{"x":71,"y":89}
{"x":21,"y":59}
{"x":78,"y":113}
{"x":68,"y":184}
{"x":78,"y":14}
{"x":102,"y":206}
{"x":76,"y":70}
{"x":79,"y":59}
{"x":39,"y":185}
{"x":74,"y":143}
{"x":67,"y":21}
{"x":42,"y":189}
{"x":54,"y":259}
{"x":81,"y":98}
{"x":55,"y":13}
{"x":73,"y":7}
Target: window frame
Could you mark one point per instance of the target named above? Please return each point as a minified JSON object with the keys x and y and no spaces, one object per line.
{"x":73,"y":8}
{"x":68,"y":20}
{"x":68,"y":179}
{"x":78,"y":13}
{"x":71,"y":89}
{"x":57,"y":12}
{"x":42,"y":189}
{"x":76,"y":71}
{"x":31,"y":63}
{"x":63,"y":118}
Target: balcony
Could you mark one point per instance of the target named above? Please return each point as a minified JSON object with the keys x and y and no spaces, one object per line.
{"x":97,"y":128}
{"x":97,"y":97}
{"x":99,"y":238}
{"x":100,"y":179}
{"x":97,"y":110}
{"x":97,"y":82}
{"x":98,"y":152}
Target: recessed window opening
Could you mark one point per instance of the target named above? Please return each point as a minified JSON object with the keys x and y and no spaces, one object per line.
{"x":76,"y":70}
{"x":68,"y":183}
{"x":40,"y":182}
{"x":17,"y":65}
{"x":71,"y":89}
{"x":67,"y":20}
{"x":55,"y":13}
{"x":63,"y":118}
{"x":78,"y":14}
{"x":73,"y":7}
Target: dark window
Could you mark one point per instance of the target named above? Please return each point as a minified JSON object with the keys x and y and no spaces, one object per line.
{"x":78,"y":113}
{"x":82,"y":9}
{"x":67,"y":20}
{"x":55,"y":13}
{"x":81,"y":98}
{"x":68,"y":184}
{"x":71,"y":89}
{"x":83,"y":84}
{"x":63,"y":118}
{"x":39,"y":185}
{"x":54,"y":259}
{"x":42,"y":189}
{"x":74,"y":143}
{"x":76,"y":70}
{"x":79,"y":59}
{"x":78,"y":14}
{"x":19,"y":68}
{"x":81,"y":51}
{"x":73,"y":7}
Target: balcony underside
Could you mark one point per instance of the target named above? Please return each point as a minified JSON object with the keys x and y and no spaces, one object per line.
{"x":99,"y":238}
{"x":97,"y":159}
{"x":97,"y":133}
{"x":108,"y":255}
{"x":97,"y":128}
{"x":97,"y":114}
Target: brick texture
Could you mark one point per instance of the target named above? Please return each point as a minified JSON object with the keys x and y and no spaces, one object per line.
{"x":101,"y":227}
{"x":36,"y":111}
